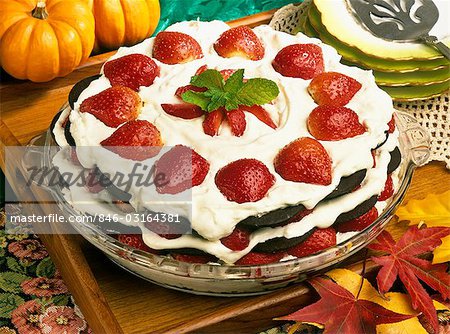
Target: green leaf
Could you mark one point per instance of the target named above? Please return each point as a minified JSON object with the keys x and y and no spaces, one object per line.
{"x":197,"y":98}
{"x":211,"y":79}
{"x":235,"y":82}
{"x":15,"y":266}
{"x":257,"y":91}
{"x":217,"y":101}
{"x":45,"y":268}
{"x":61,"y":300}
{"x":10,"y":281}
{"x":8,"y":303}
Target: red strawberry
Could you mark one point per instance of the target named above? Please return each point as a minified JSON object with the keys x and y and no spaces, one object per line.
{"x":240,"y":41}
{"x":391,"y":125}
{"x":113,"y":106}
{"x":236,"y":120}
{"x":184,"y":89}
{"x":135,"y":241}
{"x":227,"y":73}
{"x":332,"y":88}
{"x":201,"y":69}
{"x":164,"y":230}
{"x":244,"y":180}
{"x":299,"y":61}
{"x":212,"y":122}
{"x":260,"y":113}
{"x":135,"y":140}
{"x":359,"y":223}
{"x":131,"y":71}
{"x":321,"y":238}
{"x":304,"y":160}
{"x":334,"y":123}
{"x":388,"y":190}
{"x":183,"y":110}
{"x":237,"y":240}
{"x":182,"y":168}
{"x":93,"y":182}
{"x":74,"y":156}
{"x":374,"y":158}
{"x":176,"y":48}
{"x":254,"y":258}
{"x":193,"y":258}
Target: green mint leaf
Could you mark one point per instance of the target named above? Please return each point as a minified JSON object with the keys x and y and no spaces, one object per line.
{"x":257,"y":91}
{"x":217,"y":101}
{"x":234,"y":82}
{"x":211,"y":79}
{"x":231,"y":104}
{"x":197,"y":98}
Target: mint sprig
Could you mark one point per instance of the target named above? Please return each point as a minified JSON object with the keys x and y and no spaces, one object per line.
{"x":230,"y":93}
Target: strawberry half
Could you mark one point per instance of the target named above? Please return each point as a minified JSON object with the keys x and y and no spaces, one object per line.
{"x":183,"y":110}
{"x":212,"y":122}
{"x":182,"y":168}
{"x":255,"y":258}
{"x":135,"y":241}
{"x":236,"y":120}
{"x":176,"y":48}
{"x":237,"y":240}
{"x":184,"y":89}
{"x":131,"y":71}
{"x":388,"y":190}
{"x":299,"y":61}
{"x":239,"y":42}
{"x":320,"y":239}
{"x":260,"y":113}
{"x":332,"y":88}
{"x":304,"y":160}
{"x":359,"y":223}
{"x":391,"y":125}
{"x":334,"y":123}
{"x":113,"y":106}
{"x":135,"y":140}
{"x":244,"y":180}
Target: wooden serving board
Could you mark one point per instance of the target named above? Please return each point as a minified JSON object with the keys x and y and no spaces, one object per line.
{"x":114,"y":301}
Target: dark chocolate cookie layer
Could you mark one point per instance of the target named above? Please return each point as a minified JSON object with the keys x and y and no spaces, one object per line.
{"x":78,"y":88}
{"x":280,"y":244}
{"x":358,"y":210}
{"x":396,"y":158}
{"x":70,"y":140}
{"x":53,"y":124}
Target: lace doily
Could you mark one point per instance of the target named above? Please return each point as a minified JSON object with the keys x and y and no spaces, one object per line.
{"x":433,"y":114}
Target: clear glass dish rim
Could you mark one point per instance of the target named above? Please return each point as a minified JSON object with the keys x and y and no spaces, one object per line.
{"x":148,"y":261}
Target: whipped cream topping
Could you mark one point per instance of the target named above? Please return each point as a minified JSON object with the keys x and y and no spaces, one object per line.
{"x":213,"y":216}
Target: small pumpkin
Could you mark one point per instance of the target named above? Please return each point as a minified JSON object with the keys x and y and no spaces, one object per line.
{"x":41,"y":40}
{"x":124,"y":22}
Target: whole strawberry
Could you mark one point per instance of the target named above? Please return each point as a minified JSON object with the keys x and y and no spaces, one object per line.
{"x":244,"y":180}
{"x":333,"y":89}
{"x":334,"y":123}
{"x":241,"y":42}
{"x":132,"y":71}
{"x":176,"y":48}
{"x":135,"y":140}
{"x":304,"y":160}
{"x":299,"y":61}
{"x":182,"y":168}
{"x":320,"y":239}
{"x":113,"y":106}
{"x":359,"y":223}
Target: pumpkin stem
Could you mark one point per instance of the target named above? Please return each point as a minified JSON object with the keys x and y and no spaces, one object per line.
{"x":40,"y":12}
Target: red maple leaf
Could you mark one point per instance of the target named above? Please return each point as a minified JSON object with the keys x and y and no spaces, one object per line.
{"x":403,"y":262}
{"x":341,"y":312}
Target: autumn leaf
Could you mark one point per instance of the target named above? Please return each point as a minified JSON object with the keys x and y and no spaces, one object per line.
{"x":402,"y":262}
{"x":441,"y":254}
{"x":341,"y":312}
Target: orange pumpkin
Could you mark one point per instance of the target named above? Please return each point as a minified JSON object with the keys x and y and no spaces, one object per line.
{"x":41,"y":40}
{"x":124,"y":22}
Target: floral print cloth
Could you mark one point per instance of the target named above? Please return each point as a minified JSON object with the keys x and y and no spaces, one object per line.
{"x":33,"y":296}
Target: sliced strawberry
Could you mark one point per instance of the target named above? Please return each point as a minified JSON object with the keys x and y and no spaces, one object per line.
{"x":184,"y":89}
{"x":255,"y":258}
{"x":212,"y":122}
{"x":299,"y":61}
{"x":334,"y":123}
{"x":131,"y":71}
{"x":74,"y":156}
{"x":236,"y":120}
{"x":244,"y":180}
{"x":189,"y":258}
{"x":176,"y":48}
{"x":182,"y":168}
{"x":227,"y":73}
{"x":388,"y":190}
{"x":320,"y":239}
{"x":260,"y":113}
{"x":135,"y":241}
{"x":134,"y":140}
{"x":241,"y":42}
{"x":201,"y":69}
{"x":237,"y":240}
{"x":93,"y":182}
{"x":304,"y":160}
{"x":113,"y":106}
{"x":391,"y":125}
{"x":359,"y":223}
{"x":332,"y":88}
{"x":183,"y":110}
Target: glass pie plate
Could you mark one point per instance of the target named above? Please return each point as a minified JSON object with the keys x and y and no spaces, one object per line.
{"x":234,"y":280}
